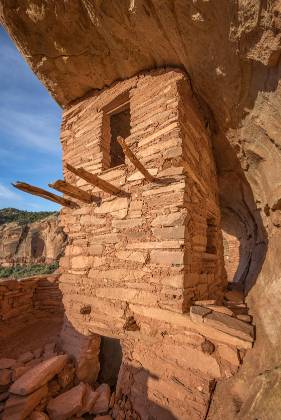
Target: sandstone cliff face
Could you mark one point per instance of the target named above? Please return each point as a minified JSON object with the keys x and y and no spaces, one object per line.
{"x":231,"y":52}
{"x":39,"y":242}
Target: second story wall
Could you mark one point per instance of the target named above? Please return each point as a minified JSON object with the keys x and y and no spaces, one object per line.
{"x":158,"y":244}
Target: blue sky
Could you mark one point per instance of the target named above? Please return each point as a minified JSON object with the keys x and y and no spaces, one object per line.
{"x":30,"y":149}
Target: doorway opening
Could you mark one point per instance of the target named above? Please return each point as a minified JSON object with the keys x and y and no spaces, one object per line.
{"x":110,"y":360}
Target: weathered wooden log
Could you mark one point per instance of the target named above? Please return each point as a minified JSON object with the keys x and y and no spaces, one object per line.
{"x":72,"y":191}
{"x":31,"y":189}
{"x":94,"y":180}
{"x":135,"y":161}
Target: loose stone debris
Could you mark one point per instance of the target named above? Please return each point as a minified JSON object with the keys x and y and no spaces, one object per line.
{"x":44,"y":384}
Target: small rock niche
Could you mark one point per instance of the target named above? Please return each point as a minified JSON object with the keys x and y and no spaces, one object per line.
{"x":110,"y":360}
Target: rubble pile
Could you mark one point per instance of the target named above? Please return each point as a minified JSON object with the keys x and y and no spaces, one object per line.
{"x":42,"y":384}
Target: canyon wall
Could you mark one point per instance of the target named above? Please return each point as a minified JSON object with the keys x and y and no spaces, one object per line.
{"x":231,"y":52}
{"x":34,"y":243}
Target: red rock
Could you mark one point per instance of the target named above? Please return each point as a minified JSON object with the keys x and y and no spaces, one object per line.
{"x":32,"y":363}
{"x":25,"y":357}
{"x":221,"y":309}
{"x":38,"y":376}
{"x":234,"y":296}
{"x":205,"y":302}
{"x":39,"y":415}
{"x":112,"y":400}
{"x":89,"y":400}
{"x":197,"y":313}
{"x":244,"y":317}
{"x":18,"y":408}
{"x":67,"y":404}
{"x":66,"y":375}
{"x":102,"y":403}
{"x":229,"y":354}
{"x":4,"y":396}
{"x":5,"y":376}
{"x":38,"y":352}
{"x":7,"y":363}
{"x":230,"y":325}
{"x":54,"y":388}
{"x":49,"y":348}
{"x":18,"y":372}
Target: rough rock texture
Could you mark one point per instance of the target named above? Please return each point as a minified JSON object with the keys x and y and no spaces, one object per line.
{"x":30,"y":295}
{"x":38,"y":376}
{"x":18,"y":408}
{"x":231,"y":51}
{"x":149,"y":247}
{"x":67,"y":404}
{"x":37,"y":242}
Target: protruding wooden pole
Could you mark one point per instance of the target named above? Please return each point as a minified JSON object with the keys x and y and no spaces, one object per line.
{"x":44,"y":194}
{"x":72,"y":191}
{"x":94,"y":180}
{"x":132,"y":157}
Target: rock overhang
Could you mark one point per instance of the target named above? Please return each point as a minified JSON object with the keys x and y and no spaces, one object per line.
{"x":74,"y":47}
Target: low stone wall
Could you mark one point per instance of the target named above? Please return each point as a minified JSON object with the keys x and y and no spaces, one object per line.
{"x":21,"y":297}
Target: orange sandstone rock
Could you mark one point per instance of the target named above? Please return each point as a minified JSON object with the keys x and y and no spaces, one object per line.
{"x":102,"y":403}
{"x":67,"y":404}
{"x":7,"y":363}
{"x":38,"y":376}
{"x":19,"y":407}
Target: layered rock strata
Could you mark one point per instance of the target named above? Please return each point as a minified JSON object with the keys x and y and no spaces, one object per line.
{"x":231,"y":51}
{"x":38,"y":242}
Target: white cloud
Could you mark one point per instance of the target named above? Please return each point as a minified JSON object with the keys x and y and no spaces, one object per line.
{"x":31,"y":130}
{"x":7,"y":193}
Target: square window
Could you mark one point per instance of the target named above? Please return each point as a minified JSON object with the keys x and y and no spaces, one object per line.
{"x":117,"y":122}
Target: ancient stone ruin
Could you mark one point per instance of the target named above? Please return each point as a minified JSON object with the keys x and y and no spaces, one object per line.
{"x":145,"y":251}
{"x":171,"y":205}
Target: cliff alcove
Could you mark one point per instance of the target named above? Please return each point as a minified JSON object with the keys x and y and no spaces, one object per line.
{"x":230,"y":52}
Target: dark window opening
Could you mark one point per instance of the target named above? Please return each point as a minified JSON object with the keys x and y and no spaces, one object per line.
{"x":110,"y":360}
{"x":119,"y":126}
{"x":211,"y":247}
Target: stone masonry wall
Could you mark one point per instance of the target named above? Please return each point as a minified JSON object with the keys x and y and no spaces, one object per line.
{"x":148,"y":247}
{"x":29,"y":295}
{"x":135,"y":262}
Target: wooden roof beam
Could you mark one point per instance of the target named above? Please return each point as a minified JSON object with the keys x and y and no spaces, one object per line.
{"x":135,"y":161}
{"x":31,"y":189}
{"x":72,"y":191}
{"x":94,"y":180}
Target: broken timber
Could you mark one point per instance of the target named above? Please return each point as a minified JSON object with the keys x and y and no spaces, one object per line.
{"x":44,"y":194}
{"x":72,"y":191}
{"x":132,"y":157}
{"x":94,"y":180}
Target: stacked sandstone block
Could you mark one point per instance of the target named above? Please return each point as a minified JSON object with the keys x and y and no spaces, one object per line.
{"x":21,"y":297}
{"x":136,"y":262}
{"x":171,"y":366}
{"x":148,"y":247}
{"x":42,"y":384}
{"x":47,"y":295}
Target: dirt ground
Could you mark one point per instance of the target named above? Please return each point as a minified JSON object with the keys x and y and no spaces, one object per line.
{"x":22,"y":336}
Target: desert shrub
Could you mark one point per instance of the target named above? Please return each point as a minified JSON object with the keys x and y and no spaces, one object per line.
{"x":19,"y":271}
{"x":23,"y":217}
